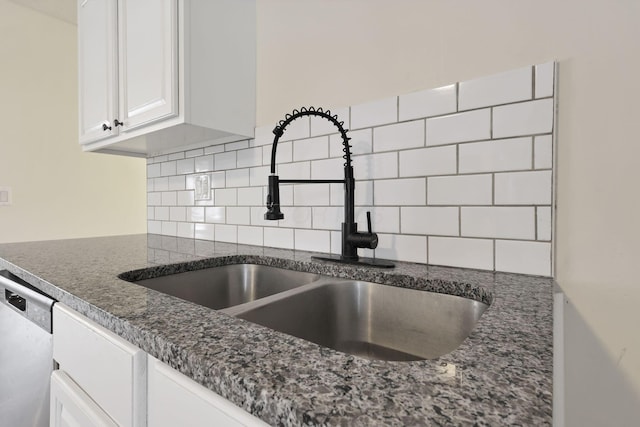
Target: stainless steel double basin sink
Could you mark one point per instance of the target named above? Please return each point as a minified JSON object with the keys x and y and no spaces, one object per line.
{"x":361,"y":318}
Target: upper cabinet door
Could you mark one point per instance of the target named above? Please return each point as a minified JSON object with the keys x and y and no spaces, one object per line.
{"x":148,"y":61}
{"x":98,"y":69}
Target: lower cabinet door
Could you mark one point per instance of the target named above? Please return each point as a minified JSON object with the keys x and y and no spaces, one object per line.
{"x":72,"y":407}
{"x":175,"y":400}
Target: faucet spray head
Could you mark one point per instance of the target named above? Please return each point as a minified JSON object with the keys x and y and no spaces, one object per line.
{"x":273,"y":200}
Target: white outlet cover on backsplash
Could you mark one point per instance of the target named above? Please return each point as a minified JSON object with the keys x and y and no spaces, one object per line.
{"x":203,"y":187}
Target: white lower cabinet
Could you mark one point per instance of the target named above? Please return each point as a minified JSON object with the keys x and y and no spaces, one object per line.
{"x":110,"y":370}
{"x":104,"y":380}
{"x":72,"y":407}
{"x":175,"y":399}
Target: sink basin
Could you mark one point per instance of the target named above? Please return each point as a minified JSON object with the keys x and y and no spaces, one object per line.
{"x":368,"y":319}
{"x":229,"y":285}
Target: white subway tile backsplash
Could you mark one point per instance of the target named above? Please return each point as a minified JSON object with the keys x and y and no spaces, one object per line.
{"x":322,"y":126}
{"x":523,"y":257}
{"x":215,"y":214}
{"x":525,"y":118}
{"x":178,"y":213}
{"x":154,"y":227}
{"x":237,"y":178}
{"x":400,"y":247}
{"x":218,"y":179}
{"x":400,"y":192}
{"x":185,"y":198}
{"x":297,"y":129}
{"x":226,"y":233}
{"x":428,"y":161}
{"x":399,"y":136}
{"x":503,"y":88}
{"x":383,"y":219}
{"x":494,"y":156}
{"x":284,"y":153}
{"x":327,"y":217}
{"x":459,"y":175}
{"x":363,"y":194}
{"x":213,"y":149}
{"x":257,"y":217}
{"x":310,"y":149}
{"x":428,"y":103}
{"x":374,"y":113}
{"x":311,"y":195}
{"x":327,"y":169}
{"x":259,"y":176}
{"x":153,"y":170}
{"x":238,"y":145}
{"x":154,"y":199}
{"x":204,"y":163}
{"x":499,"y":222}
{"x":225,"y":161}
{"x":167,"y":168}
{"x":169,"y":198}
{"x":250,"y":235}
{"x":161,"y":184}
{"x":176,"y":183}
{"x":459,"y":190}
{"x":226,"y":197}
{"x":543,"y":217}
{"x":239,"y":215}
{"x":469,"y":126}
{"x":278,"y":237}
{"x":461,"y":252}
{"x":185,"y":166}
{"x":249,"y":157}
{"x":544,"y":79}
{"x":162,"y":213}
{"x":361,"y":142}
{"x":286,"y":194}
{"x":195,"y":214}
{"x":160,"y":159}
{"x":194,"y":153}
{"x":175,"y":156}
{"x":169,"y":228}
{"x":375,"y":166}
{"x":312,"y":240}
{"x":523,"y":188}
{"x":298,"y":170}
{"x":336,"y":243}
{"x":185,"y":229}
{"x":428,"y":220}
{"x":295,"y":217}
{"x":543,"y":152}
{"x":250,"y":196}
{"x":204,"y":231}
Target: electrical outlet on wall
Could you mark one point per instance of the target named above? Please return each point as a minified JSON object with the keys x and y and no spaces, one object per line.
{"x":203,"y":187}
{"x":5,"y":196}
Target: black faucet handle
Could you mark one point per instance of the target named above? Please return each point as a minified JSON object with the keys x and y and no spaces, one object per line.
{"x":369,"y":222}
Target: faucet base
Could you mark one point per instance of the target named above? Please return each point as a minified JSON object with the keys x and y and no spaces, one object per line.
{"x":370,"y":262}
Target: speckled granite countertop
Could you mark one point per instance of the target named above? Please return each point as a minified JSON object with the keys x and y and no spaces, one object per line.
{"x":501,"y":375}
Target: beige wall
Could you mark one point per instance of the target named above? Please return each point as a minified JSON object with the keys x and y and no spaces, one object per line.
{"x":58,"y":191}
{"x":338,"y":53}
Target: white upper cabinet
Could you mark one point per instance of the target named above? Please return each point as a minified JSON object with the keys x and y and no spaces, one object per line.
{"x":161,"y":75}
{"x":98,"y":69}
{"x":149,"y":61}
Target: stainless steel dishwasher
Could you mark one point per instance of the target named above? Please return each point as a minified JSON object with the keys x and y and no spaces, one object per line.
{"x":26,"y":353}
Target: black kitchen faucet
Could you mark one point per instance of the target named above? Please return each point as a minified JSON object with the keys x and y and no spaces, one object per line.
{"x":352,"y":239}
